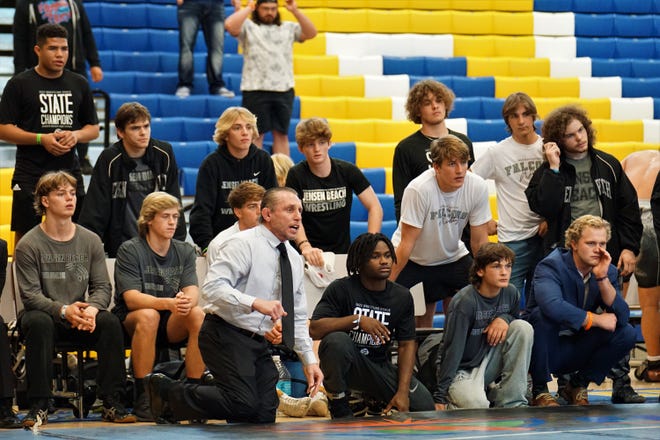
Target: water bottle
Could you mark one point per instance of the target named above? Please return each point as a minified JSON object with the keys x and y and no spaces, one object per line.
{"x":284,"y":381}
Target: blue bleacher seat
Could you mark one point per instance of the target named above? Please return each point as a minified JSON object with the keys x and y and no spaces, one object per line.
{"x":376,"y":177}
{"x":357,"y":228}
{"x":467,"y":108}
{"x":474,"y":86}
{"x":611,"y":67}
{"x":455,"y":66}
{"x":358,"y":211}
{"x":491,"y":107}
{"x":190,"y":154}
{"x":656,"y":22}
{"x":553,"y":5}
{"x":117,"y":82}
{"x":640,"y":26}
{"x":656,"y":108}
{"x":596,"y":47}
{"x":636,"y":48}
{"x":218,"y":104}
{"x":446,"y":80}
{"x":295,"y":111}
{"x":439,"y":319}
{"x":149,"y":101}
{"x":162,"y":16}
{"x":188,"y":180}
{"x":232,"y":81}
{"x":156,"y":82}
{"x":630,"y":7}
{"x":640,"y":87}
{"x":388,"y":228}
{"x":193,"y":106}
{"x":295,"y":154}
{"x":387,"y":203}
{"x":404,"y":65}
{"x":107,"y":60}
{"x":593,"y":6}
{"x":93,"y":10}
{"x":344,"y":151}
{"x":645,"y":68}
{"x":482,"y":130}
{"x":198,"y":129}
{"x":231,"y":44}
{"x":594,"y":25}
{"x":168,"y":129}
{"x":232,"y":62}
{"x":137,"y":61}
{"x":132,"y":40}
{"x":124,"y":15}
{"x":164,"y":40}
{"x":292,"y":128}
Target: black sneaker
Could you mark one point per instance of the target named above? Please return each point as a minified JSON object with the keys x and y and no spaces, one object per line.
{"x":38,"y":415}
{"x":626,"y":394}
{"x":114,"y":411}
{"x":86,"y":166}
{"x":340,"y":409}
{"x":8,"y":419}
{"x":142,"y":409}
{"x":157,"y":385}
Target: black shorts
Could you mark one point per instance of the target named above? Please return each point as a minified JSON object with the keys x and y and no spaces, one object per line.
{"x":272,"y":109}
{"x":647,"y":271}
{"x":441,"y":281}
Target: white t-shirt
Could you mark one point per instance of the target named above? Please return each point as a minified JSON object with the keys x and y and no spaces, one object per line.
{"x":213,"y":250}
{"x":442,"y":217}
{"x":511,"y":166}
{"x":268,"y":55}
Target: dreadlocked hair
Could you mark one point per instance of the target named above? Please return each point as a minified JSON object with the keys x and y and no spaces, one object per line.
{"x":361,"y":249}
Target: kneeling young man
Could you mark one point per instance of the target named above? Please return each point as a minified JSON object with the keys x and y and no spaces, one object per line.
{"x":356,"y":320}
{"x":579,"y":317}
{"x":157,"y":294}
{"x":484,"y":343}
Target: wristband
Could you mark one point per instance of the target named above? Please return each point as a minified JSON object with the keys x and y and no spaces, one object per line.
{"x":63,"y":312}
{"x":303,"y":242}
{"x":555,"y":171}
{"x":38,"y":138}
{"x":590,"y":321}
{"x":357,"y":323}
{"x":601,"y":278}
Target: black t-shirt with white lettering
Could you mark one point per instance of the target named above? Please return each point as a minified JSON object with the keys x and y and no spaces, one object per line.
{"x":42,"y":105}
{"x":327,"y":202}
{"x":393,"y":307}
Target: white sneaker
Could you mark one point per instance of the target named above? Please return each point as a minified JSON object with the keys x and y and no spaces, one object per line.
{"x":294,"y":407}
{"x":225,"y":92}
{"x":319,"y":405}
{"x":182,"y":92}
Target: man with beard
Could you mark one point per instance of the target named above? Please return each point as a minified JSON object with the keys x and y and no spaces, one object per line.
{"x":267,"y":81}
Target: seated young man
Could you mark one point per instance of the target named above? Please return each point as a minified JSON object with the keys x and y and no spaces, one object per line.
{"x":58,"y":264}
{"x":356,"y":320}
{"x":483,"y":341}
{"x":579,"y":317}
{"x":156,"y":293}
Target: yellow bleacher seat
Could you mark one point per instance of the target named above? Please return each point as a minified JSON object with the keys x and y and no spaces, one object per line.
{"x":513,"y":23}
{"x":346,"y":20}
{"x":327,"y":107}
{"x":7,"y":235}
{"x":392,"y":131}
{"x":619,"y":149}
{"x":346,"y":130}
{"x":389,"y":186}
{"x":529,"y":67}
{"x":488,"y":66}
{"x":308,"y":85}
{"x":361,"y":108}
{"x":514,"y":46}
{"x":5,"y":181}
{"x":546,"y":105}
{"x":5,"y":209}
{"x":315,"y":46}
{"x":374,"y":155}
{"x":316,"y":65}
{"x":476,"y":46}
{"x":559,"y":87}
{"x":492,"y":201}
{"x":342,"y":85}
{"x":472,"y":23}
{"x":316,"y":15}
{"x":390,"y":22}
{"x":472,"y":5}
{"x":431,"y":22}
{"x":506,"y":85}
{"x":618,"y":131}
{"x":597,"y":108}
{"x":312,"y":4}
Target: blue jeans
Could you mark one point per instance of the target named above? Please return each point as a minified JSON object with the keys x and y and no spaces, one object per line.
{"x":528,"y":253}
{"x":210,"y":14}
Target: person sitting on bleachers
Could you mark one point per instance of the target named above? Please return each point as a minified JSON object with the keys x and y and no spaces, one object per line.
{"x":326,"y":186}
{"x":58,"y":263}
{"x":236,"y":160}
{"x":156,"y":293}
{"x":436,"y":207}
{"x":577,"y":179}
{"x":124,"y":175}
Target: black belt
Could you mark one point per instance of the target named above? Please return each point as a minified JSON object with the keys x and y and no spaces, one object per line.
{"x":252,"y":335}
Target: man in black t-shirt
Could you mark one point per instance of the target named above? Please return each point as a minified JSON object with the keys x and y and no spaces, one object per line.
{"x":326,"y":188}
{"x":356,"y":320}
{"x":45,"y":111}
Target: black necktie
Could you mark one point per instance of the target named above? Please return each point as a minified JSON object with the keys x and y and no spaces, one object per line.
{"x":287,"y":297}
